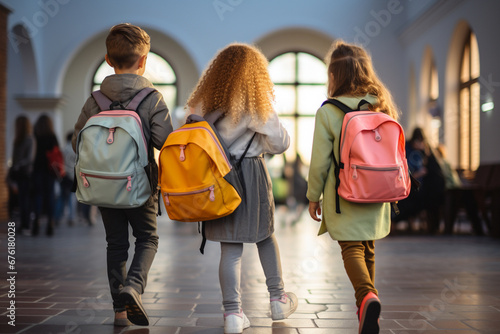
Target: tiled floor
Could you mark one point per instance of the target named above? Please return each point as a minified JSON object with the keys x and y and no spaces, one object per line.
{"x":426,"y":284}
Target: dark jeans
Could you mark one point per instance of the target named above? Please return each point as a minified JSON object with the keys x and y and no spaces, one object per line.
{"x":44,"y":199}
{"x":143,"y":222}
{"x":24,"y":202}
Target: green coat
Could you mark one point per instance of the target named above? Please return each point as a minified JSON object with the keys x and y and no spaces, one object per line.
{"x":358,"y":221}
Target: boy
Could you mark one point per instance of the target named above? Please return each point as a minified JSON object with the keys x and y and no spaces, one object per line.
{"x":127,"y":49}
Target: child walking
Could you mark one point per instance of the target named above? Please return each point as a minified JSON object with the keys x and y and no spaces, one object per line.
{"x":127,"y":49}
{"x":237,"y":84}
{"x":351,"y":78}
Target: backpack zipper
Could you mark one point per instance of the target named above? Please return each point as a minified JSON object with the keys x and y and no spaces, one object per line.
{"x":211,"y":189}
{"x":135,"y":116}
{"x":221,"y":150}
{"x":376,"y":169}
{"x":349,"y":121}
{"x":86,"y":183}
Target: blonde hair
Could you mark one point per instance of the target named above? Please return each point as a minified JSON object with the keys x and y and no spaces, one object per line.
{"x":236,"y":82}
{"x":125,"y":44}
{"x":351,"y":73}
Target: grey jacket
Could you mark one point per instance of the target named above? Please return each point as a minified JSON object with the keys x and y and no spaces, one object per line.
{"x":156,"y":120}
{"x":157,"y":123}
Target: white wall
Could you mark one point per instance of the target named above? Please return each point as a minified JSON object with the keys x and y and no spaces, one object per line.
{"x":63,"y":30}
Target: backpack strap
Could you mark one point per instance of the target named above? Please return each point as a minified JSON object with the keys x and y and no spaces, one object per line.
{"x":338,"y":104}
{"x":339,"y":165}
{"x":362,"y":103}
{"x":102,"y":100}
{"x":105,"y":103}
{"x":213,"y":116}
{"x":139,"y":97}
{"x":238,"y":164}
{"x":343,"y":106}
{"x":246,"y":150}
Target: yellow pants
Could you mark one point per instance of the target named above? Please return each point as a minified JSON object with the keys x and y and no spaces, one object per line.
{"x":359,"y":263}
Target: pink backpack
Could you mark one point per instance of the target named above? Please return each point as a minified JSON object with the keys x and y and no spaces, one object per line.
{"x":372,"y":166}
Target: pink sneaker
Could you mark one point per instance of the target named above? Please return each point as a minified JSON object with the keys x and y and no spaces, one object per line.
{"x":282,"y":307}
{"x":235,"y":322}
{"x":369,"y":313}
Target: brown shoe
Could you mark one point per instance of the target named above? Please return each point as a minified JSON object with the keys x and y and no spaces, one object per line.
{"x":133,"y":304}
{"x":121,"y":319}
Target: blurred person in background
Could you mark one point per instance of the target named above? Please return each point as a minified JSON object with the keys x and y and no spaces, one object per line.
{"x":43,"y":176}
{"x":18,"y":178}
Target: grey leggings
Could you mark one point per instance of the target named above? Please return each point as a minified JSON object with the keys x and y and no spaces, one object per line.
{"x":230,"y":271}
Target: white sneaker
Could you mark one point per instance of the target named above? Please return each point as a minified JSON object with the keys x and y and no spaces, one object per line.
{"x":281,"y":308}
{"x":235,"y":322}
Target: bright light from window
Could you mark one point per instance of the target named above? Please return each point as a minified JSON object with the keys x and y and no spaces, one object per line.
{"x":300,"y":88}
{"x":487,"y":106}
{"x":158,"y":71}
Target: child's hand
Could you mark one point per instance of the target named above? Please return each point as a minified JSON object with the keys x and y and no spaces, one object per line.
{"x":315,"y":210}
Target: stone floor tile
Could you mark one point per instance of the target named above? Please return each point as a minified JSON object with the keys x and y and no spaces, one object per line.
{"x":177,"y":322}
{"x":336,"y":315}
{"x":148,"y":330}
{"x":483,"y":324}
{"x":328,"y":330}
{"x":337,"y":323}
{"x":449,"y":324}
{"x":432,"y":285}
{"x":436,"y":331}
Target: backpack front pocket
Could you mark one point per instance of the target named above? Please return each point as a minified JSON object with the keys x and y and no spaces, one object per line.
{"x":123,"y":190}
{"x":187,"y":205}
{"x":373,"y":184}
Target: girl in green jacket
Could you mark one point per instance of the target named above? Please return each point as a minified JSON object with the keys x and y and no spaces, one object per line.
{"x":351,"y":78}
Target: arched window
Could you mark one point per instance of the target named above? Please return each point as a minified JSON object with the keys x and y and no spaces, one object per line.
{"x":158,"y":71}
{"x":469,"y":106}
{"x":300,"y":85}
{"x":433,"y":107}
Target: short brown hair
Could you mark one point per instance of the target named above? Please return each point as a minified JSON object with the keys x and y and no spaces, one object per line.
{"x":125,"y":44}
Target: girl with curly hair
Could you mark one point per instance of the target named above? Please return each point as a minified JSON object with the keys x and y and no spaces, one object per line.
{"x":351,"y":78}
{"x":237,"y":86}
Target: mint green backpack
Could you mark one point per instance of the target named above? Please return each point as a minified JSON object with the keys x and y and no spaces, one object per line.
{"x":111,"y":156}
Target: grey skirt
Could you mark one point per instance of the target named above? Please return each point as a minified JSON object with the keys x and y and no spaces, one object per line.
{"x":253,"y":220}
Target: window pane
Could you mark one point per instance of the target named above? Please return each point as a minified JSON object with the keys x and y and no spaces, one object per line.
{"x":289,"y":124}
{"x":474,"y":57}
{"x":310,"y":98}
{"x":285,"y":99}
{"x":158,"y":70}
{"x":464,"y":74}
{"x":282,"y":68}
{"x":169,"y":95}
{"x":311,"y":69}
{"x":103,"y":71}
{"x":474,"y":126}
{"x":305,"y":138}
{"x":434,"y":86}
{"x":464,"y":139}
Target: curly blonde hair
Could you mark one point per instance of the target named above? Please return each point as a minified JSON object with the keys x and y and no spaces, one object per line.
{"x":236,"y":82}
{"x":350,"y":72}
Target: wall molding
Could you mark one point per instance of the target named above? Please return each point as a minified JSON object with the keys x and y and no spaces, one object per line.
{"x":426,"y":19}
{"x":37,"y":103}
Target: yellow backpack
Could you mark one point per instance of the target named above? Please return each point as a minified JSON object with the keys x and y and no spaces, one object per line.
{"x":196,"y":175}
